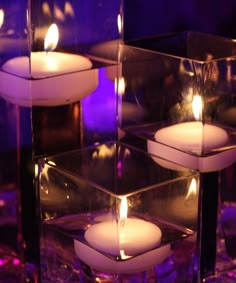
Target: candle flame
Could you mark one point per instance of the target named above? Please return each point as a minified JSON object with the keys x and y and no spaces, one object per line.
{"x":119,"y":23}
{"x":120,"y":85}
{"x":192,"y":191}
{"x":123,"y":209}
{"x":58,"y":13}
{"x":68,"y":9}
{"x":197,"y":107}
{"x":51,"y":39}
{"x":46,"y":9}
{"x":1,"y":17}
{"x":36,"y":170}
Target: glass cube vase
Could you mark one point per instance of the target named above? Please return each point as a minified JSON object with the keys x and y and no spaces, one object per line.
{"x":179,"y":103}
{"x":52,"y":54}
{"x":110,"y":213}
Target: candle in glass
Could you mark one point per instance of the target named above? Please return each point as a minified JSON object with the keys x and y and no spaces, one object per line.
{"x":125,"y":239}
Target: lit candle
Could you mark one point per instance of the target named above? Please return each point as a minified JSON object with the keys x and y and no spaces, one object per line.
{"x":184,"y":208}
{"x":183,"y":144}
{"x":132,"y":240}
{"x":63,"y":82}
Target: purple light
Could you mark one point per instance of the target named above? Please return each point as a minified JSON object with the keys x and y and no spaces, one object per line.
{"x":2,"y":261}
{"x":16,"y":261}
{"x":99,"y":108}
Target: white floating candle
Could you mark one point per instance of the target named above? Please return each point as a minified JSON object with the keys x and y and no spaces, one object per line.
{"x":193,"y":137}
{"x":42,"y":65}
{"x":47,"y":78}
{"x":134,"y":237}
{"x":103,"y":263}
{"x":130,"y":240}
{"x":186,"y":143}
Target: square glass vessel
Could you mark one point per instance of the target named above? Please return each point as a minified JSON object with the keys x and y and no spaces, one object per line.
{"x":178,"y":102}
{"x":180,"y":90}
{"x":111,"y":213}
{"x":52,"y":54}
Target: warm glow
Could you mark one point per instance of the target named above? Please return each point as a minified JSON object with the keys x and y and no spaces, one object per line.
{"x":51,"y":39}
{"x":36,"y":170}
{"x":103,"y":152}
{"x":46,"y":9}
{"x":197,"y":107}
{"x":192,"y":191}
{"x":120,"y":85}
{"x":123,"y":208}
{"x":1,"y":17}
{"x":51,"y":163}
{"x":119,"y":23}
{"x":68,"y":9}
{"x":123,"y":255}
{"x":58,"y":13}
{"x":76,"y":111}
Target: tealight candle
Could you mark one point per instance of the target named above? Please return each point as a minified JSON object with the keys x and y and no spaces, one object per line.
{"x":46,"y":64}
{"x":184,"y":144}
{"x":47,"y":78}
{"x":135,"y":241}
{"x":192,"y":137}
{"x":181,"y":160}
{"x":133,"y":237}
{"x":103,"y":263}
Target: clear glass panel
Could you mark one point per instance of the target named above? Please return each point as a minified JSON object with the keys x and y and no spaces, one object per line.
{"x":42,"y":84}
{"x":15,"y":139}
{"x":179,"y":89}
{"x":117,"y":213}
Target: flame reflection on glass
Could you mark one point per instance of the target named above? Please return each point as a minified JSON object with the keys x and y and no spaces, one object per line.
{"x":119,"y":23}
{"x":197,"y":106}
{"x":192,"y":192}
{"x":123,"y":209}
{"x":120,"y":85}
{"x":1,"y":17}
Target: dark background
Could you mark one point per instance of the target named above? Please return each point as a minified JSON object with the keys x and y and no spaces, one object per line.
{"x":144,"y":18}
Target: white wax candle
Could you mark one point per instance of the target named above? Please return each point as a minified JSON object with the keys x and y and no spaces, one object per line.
{"x":192,"y":137}
{"x":64,"y":79}
{"x":178,"y":143}
{"x":138,"y":263}
{"x":135,"y":238}
{"x":46,"y":64}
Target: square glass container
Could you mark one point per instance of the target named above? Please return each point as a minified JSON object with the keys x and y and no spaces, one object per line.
{"x":52,"y":54}
{"x":180,"y":90}
{"x":111,"y":213}
{"x":178,"y":103}
{"x":45,"y":46}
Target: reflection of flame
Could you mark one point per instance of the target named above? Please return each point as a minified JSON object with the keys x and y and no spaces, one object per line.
{"x":76,"y":111}
{"x":120,"y":85}
{"x":58,"y":13}
{"x":123,"y":255}
{"x":1,"y":17}
{"x":197,"y":106}
{"x":46,"y":168}
{"x":51,"y":39}
{"x":123,"y":208}
{"x":68,"y":9}
{"x":192,"y":191}
{"x":119,"y":23}
{"x":103,"y":151}
{"x":36,"y":170}
{"x":46,"y":9}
